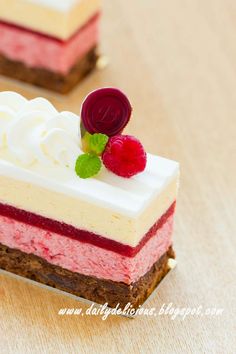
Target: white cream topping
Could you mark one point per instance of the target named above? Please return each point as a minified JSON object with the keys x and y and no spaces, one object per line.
{"x":33,"y":131}
{"x":59,"y":5}
{"x":39,"y":145}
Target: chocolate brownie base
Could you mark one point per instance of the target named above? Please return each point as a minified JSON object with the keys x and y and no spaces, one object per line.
{"x":98,"y":290}
{"x":48,"y":79}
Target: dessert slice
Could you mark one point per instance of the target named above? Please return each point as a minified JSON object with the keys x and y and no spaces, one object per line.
{"x":90,"y":215}
{"x":51,"y":44}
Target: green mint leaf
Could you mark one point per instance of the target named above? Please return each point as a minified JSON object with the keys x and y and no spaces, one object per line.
{"x":97,"y":143}
{"x":87,"y":165}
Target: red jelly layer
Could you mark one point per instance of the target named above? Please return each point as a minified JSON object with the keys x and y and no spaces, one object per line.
{"x":82,"y":235}
{"x":48,"y":36}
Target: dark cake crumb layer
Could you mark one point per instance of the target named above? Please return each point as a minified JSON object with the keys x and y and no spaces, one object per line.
{"x":83,"y":235}
{"x":48,"y":79}
{"x":98,"y":290}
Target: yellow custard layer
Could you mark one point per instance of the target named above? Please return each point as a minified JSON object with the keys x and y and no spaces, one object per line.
{"x":53,"y":18}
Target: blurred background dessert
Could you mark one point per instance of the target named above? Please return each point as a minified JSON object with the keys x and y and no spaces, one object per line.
{"x":49,"y":43}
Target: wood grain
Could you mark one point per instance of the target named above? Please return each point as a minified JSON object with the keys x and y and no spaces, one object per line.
{"x":176,"y":61}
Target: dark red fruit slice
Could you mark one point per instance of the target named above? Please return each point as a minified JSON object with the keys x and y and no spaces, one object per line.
{"x":106,"y":111}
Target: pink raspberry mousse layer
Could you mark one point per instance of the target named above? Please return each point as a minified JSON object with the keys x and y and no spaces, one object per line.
{"x":82,"y":257}
{"x":83,"y":235}
{"x":39,"y":51}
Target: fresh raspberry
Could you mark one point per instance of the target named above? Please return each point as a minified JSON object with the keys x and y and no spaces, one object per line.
{"x":124,"y":155}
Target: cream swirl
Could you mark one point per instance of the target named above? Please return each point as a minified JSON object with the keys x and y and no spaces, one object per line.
{"x":34,"y":131}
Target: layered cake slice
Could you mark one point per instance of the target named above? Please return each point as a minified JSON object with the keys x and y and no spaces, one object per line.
{"x":49,"y":43}
{"x":89,"y":214}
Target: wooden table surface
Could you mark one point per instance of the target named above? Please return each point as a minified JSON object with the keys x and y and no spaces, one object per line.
{"x":176,"y":60}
